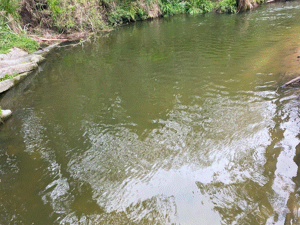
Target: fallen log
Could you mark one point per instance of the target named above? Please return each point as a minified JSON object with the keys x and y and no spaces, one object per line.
{"x":297,"y":79}
{"x":54,"y":39}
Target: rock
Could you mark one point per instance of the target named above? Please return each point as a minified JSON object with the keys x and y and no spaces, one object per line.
{"x":25,"y":59}
{"x":37,"y":58}
{"x":9,"y":83}
{"x":5,"y":114}
{"x":14,"y":53}
{"x":19,"y":63}
{"x":16,"y":69}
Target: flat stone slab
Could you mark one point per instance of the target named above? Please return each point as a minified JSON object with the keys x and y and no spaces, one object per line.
{"x":17,"y":69}
{"x":20,"y":62}
{"x":9,"y":83}
{"x":24,"y":59}
{"x":14,"y":53}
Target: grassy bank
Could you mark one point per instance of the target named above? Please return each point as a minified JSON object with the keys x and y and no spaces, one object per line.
{"x":18,"y":17}
{"x":11,"y":32}
{"x":94,"y":15}
{"x":9,"y":39}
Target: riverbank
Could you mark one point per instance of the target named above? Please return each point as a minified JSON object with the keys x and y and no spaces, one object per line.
{"x":47,"y":21}
{"x":44,"y":29}
{"x":28,"y":25}
{"x":17,"y":64}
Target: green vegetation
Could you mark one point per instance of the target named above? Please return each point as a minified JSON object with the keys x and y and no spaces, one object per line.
{"x":7,"y":76}
{"x":73,"y":15}
{"x":10,"y":7}
{"x":69,"y":16}
{"x":172,"y":7}
{"x":227,"y":6}
{"x":8,"y":37}
{"x":199,"y":6}
{"x":127,"y":13}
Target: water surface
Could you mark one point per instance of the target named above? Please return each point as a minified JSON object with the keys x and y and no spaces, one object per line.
{"x":169,"y":121}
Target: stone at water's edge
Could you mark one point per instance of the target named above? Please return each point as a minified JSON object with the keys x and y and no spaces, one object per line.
{"x":19,"y":62}
{"x":26,"y":59}
{"x":17,"y":69}
{"x":14,"y":53}
{"x":6,"y":113}
{"x":9,"y":83}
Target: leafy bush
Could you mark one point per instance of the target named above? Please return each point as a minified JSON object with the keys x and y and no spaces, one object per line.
{"x":126,"y":12}
{"x":172,"y":7}
{"x":199,"y":6}
{"x":138,"y":13}
{"x":119,"y":16}
{"x":227,"y":6}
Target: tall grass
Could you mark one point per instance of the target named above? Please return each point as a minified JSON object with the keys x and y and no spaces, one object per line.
{"x":10,"y":7}
{"x":74,"y":15}
{"x":8,"y":38}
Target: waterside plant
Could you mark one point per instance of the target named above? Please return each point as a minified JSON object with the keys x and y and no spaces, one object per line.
{"x":227,"y":6}
{"x":18,"y":17}
{"x":94,"y":15}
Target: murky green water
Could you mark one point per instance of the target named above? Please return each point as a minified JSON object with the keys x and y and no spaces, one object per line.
{"x":170,"y":121}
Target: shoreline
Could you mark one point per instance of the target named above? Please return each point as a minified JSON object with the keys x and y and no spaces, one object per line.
{"x":17,"y":64}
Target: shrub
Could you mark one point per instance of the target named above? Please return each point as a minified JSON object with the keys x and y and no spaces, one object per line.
{"x":199,"y":6}
{"x":227,"y":6}
{"x":172,"y":7}
{"x":119,"y":16}
{"x":126,"y":12}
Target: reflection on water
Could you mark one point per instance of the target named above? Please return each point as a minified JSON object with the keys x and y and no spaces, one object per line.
{"x":172,"y":121}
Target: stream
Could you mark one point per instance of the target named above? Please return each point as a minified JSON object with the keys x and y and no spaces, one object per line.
{"x":168,"y":121}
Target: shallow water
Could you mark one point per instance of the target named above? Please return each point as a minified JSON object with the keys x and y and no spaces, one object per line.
{"x":170,"y":121}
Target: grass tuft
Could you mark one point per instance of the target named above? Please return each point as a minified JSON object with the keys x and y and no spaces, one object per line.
{"x":7,"y":76}
{"x":8,"y":20}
